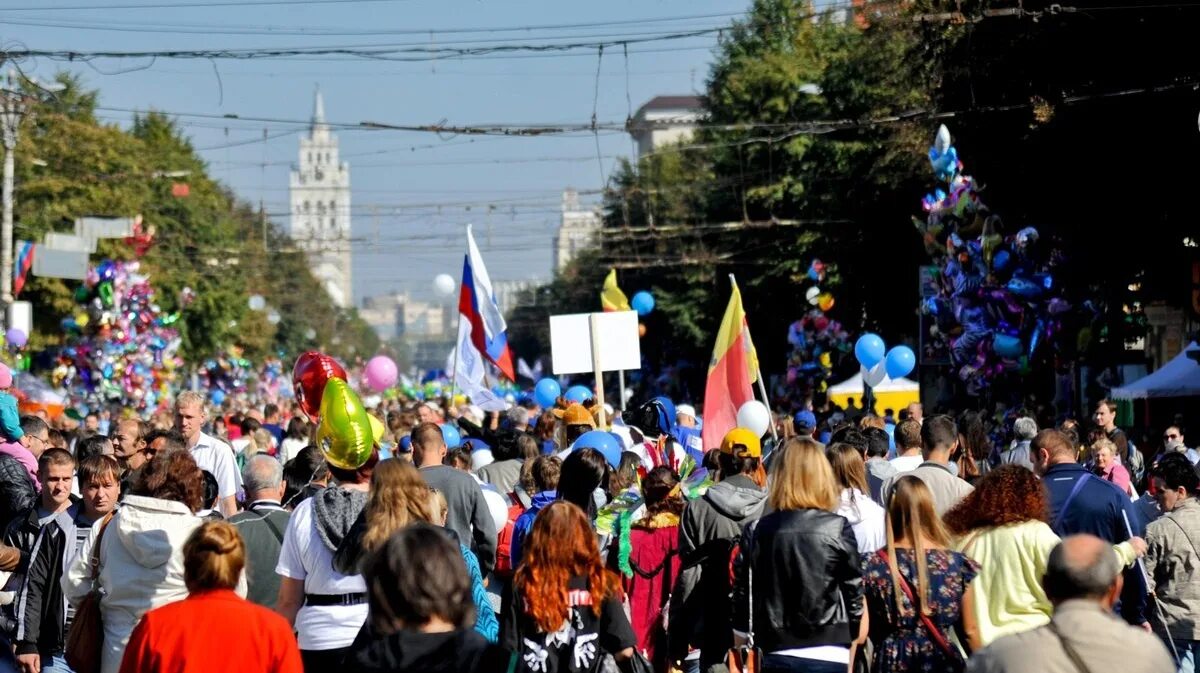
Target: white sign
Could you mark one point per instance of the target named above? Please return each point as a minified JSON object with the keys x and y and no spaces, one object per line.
{"x":571,"y":342}
{"x":71,"y":242}
{"x":51,"y":263}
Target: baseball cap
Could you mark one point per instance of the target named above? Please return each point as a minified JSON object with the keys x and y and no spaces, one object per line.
{"x":805,"y":420}
{"x":742,"y":443}
{"x":685,"y":410}
{"x":575,"y":414}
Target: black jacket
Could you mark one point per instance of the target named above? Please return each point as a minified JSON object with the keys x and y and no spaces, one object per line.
{"x":708,"y":533}
{"x":461,"y":651}
{"x":16,"y":490}
{"x":41,"y":610}
{"x":807,"y":580}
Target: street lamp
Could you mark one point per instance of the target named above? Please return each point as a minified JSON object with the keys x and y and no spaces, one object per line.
{"x":12,"y":108}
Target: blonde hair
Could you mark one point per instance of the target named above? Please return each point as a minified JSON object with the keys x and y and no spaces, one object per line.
{"x":213,"y":557}
{"x":438,"y":507}
{"x":802,"y":479}
{"x":910,"y":515}
{"x":398,"y":497}
{"x":1103,"y":444}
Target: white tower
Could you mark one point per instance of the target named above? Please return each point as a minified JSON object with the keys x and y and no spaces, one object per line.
{"x":320,"y":197}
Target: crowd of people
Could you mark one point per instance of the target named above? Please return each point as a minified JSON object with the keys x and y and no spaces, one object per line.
{"x":533,"y":540}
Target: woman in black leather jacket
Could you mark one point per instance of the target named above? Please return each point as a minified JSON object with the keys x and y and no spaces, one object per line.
{"x":802,"y":564}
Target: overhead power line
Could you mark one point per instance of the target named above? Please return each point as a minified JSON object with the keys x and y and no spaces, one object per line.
{"x":184,"y":5}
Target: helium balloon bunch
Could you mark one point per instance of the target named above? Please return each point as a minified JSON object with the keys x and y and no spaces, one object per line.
{"x":996,"y":306}
{"x":879,"y":363}
{"x":346,"y":433}
{"x":819,"y":343}
{"x":120,"y":345}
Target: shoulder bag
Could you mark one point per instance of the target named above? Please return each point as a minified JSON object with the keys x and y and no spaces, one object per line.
{"x":85,"y":641}
{"x":935,"y":633}
{"x":746,"y":658}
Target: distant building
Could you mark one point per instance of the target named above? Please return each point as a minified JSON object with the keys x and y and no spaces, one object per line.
{"x":577,"y":231}
{"x":397,"y":315}
{"x":665,"y":119}
{"x":508,"y":292}
{"x":320,"y":208}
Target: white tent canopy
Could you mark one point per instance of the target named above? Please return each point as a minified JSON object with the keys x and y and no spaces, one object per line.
{"x":1178,"y":378}
{"x":854,"y":386}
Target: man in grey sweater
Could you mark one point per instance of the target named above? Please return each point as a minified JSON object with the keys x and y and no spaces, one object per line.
{"x":467,"y":515}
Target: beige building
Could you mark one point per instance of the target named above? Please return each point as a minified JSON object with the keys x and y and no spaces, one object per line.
{"x":664,"y":120}
{"x":576,"y":232}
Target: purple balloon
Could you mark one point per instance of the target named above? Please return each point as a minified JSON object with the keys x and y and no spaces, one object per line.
{"x":381,"y":373}
{"x":16,"y":337}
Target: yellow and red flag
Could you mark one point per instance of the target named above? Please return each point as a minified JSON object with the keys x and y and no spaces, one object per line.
{"x":731,"y":373}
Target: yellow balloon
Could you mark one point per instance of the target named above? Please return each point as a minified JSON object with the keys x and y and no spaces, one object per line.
{"x":377,"y":429}
{"x":344,"y":431}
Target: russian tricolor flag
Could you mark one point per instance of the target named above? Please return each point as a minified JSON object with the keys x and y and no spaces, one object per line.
{"x":477,"y":304}
{"x":25,"y":252}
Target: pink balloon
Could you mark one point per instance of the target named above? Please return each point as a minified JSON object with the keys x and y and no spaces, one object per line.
{"x":381,"y":373}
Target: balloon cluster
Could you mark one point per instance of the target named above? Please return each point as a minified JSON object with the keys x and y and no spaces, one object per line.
{"x":879,"y":363}
{"x":818,"y":342}
{"x":346,"y":433}
{"x":996,"y":303}
{"x":120,"y":345}
{"x":229,"y":373}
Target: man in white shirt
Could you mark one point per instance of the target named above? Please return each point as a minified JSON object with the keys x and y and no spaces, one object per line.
{"x":211,"y":454}
{"x":908,"y":446}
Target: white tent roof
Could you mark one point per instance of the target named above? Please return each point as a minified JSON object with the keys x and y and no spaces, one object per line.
{"x":1178,"y":378}
{"x":854,"y":386}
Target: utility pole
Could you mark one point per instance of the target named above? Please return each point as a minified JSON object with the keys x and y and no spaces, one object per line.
{"x":12,"y":107}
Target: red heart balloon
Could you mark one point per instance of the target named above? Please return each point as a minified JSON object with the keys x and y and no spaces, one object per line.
{"x":312,"y":371}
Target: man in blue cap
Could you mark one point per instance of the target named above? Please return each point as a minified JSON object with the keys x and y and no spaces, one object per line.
{"x":687,"y":431}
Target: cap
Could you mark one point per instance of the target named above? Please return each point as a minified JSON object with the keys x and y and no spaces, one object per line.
{"x":805,"y":419}
{"x":685,"y":410}
{"x":576,"y":414}
{"x":742,"y":443}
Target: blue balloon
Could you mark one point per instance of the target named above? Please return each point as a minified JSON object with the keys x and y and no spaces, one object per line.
{"x":869,"y":350}
{"x":578,"y":394}
{"x":900,"y":361}
{"x":643,"y":303}
{"x":1006,"y":346}
{"x":452,"y":436}
{"x":217,"y":396}
{"x":1000,"y":260}
{"x":546,"y":392}
{"x":605,"y":442}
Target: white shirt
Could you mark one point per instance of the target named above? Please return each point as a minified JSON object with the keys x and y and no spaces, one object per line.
{"x":866,"y":520}
{"x":215,"y":456}
{"x":305,"y":557}
{"x":906,"y":463}
{"x":290,"y":448}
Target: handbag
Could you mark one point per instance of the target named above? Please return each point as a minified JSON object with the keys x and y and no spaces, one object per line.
{"x":85,"y":641}
{"x":939,"y":638}
{"x":746,"y":658}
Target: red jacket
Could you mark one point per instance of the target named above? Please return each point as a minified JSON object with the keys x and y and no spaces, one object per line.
{"x":212,"y":631}
{"x":654,"y":559}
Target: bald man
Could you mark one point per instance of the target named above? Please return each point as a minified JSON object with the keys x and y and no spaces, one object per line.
{"x":1083,"y":581}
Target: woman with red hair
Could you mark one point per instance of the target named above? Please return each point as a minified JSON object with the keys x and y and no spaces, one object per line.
{"x":1002,"y":525}
{"x":564,"y":613}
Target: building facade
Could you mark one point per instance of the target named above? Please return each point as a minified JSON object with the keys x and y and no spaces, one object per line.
{"x":665,"y":119}
{"x":320,"y":208}
{"x":577,"y":230}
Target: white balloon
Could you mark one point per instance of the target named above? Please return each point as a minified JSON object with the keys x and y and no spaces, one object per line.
{"x":273,"y":317}
{"x":444,"y":284}
{"x":256,"y":302}
{"x":875,"y":375}
{"x":813,"y":295}
{"x":755,"y":417}
{"x":941,"y":142}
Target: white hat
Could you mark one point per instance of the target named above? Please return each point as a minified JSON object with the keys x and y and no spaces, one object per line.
{"x":685,"y":410}
{"x":481,"y":458}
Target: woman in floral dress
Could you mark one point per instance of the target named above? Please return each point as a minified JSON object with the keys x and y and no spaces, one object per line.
{"x":918,"y":591}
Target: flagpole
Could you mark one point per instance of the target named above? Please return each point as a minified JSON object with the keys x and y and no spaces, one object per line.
{"x":762,"y":388}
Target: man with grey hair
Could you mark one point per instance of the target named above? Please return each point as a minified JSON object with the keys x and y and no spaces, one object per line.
{"x":518,"y":419}
{"x":212,"y":455}
{"x":1083,"y":581}
{"x":262,"y":526}
{"x":1024,"y":430}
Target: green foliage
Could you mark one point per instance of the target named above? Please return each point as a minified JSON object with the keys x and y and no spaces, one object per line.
{"x":207,"y":241}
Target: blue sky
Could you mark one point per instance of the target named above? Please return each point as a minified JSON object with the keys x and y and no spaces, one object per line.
{"x":411,"y":191}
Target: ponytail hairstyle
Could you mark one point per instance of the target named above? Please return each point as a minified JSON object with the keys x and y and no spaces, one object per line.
{"x":213,"y":557}
{"x":910,"y":516}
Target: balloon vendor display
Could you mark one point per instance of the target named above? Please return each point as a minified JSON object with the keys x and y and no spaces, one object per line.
{"x":120,"y":346}
{"x":819,"y":343}
{"x":998,"y":307}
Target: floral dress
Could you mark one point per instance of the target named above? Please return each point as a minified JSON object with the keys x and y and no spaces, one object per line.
{"x":902,"y":643}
